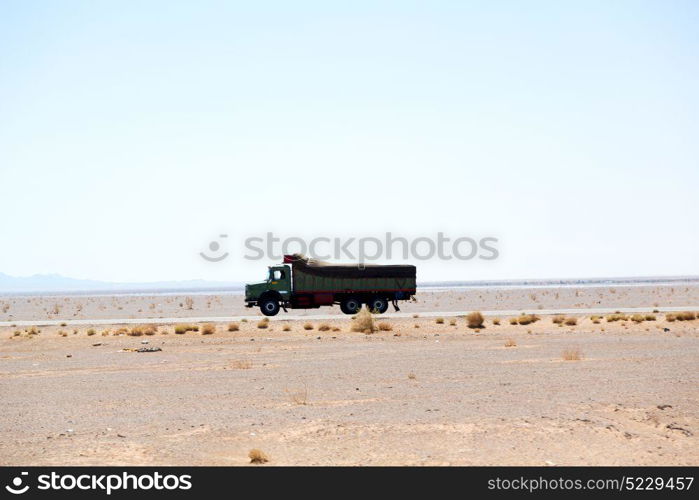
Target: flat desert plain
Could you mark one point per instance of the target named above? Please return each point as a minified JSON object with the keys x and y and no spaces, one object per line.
{"x":574,"y":389}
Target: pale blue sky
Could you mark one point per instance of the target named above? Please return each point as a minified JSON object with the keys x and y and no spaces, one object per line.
{"x":132,"y":133}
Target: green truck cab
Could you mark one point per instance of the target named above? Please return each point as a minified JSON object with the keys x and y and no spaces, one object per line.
{"x":303,"y":283}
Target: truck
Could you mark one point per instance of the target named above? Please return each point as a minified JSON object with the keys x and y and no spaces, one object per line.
{"x":304,"y":283}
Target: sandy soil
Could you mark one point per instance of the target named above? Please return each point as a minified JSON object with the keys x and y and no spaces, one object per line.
{"x":431,"y":394}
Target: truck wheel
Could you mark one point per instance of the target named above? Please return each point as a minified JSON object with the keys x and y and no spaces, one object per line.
{"x":350,"y":305}
{"x":269,"y":307}
{"x":377,"y":305}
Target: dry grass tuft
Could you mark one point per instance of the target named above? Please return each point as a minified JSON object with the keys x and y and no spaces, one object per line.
{"x":286,"y":328}
{"x":257,"y":456}
{"x":496,"y":321}
{"x":526,"y":319}
{"x":638,"y":318}
{"x":572,"y":355}
{"x":412,"y":376}
{"x":513,"y":321}
{"x":617,"y":317}
{"x":135,"y":331}
{"x":263,"y":323}
{"x":208,"y":329}
{"x":650,"y":317}
{"x":385,"y":327}
{"x":91,"y":332}
{"x":475,"y":320}
{"x":558,"y":320}
{"x":510,"y":343}
{"x":150,"y":329}
{"x":439,"y":321}
{"x":233,"y":327}
{"x":324,"y":327}
{"x":308,"y":326}
{"x":298,"y":396}
{"x":184,"y":328}
{"x":571,"y":321}
{"x":685,"y":316}
{"x":363,"y":322}
{"x":241,"y":364}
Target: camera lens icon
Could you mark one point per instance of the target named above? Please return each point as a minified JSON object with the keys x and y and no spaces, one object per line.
{"x":214,"y":248}
{"x":16,"y":488}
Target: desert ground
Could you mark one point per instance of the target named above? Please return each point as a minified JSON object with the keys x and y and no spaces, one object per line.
{"x":573,"y":389}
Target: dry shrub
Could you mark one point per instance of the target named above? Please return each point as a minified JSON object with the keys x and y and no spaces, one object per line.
{"x":62,"y":333}
{"x":233,"y":327}
{"x":496,"y":321}
{"x":650,"y":317}
{"x":241,"y":364}
{"x":91,"y":332}
{"x":298,"y":396}
{"x":208,"y":329}
{"x":263,"y":323}
{"x":184,"y":328}
{"x":121,"y":331}
{"x":526,"y":319}
{"x":416,"y":325}
{"x":638,"y":318}
{"x":324,"y":327}
{"x":415,"y":316}
{"x":571,"y":321}
{"x":336,"y":329}
{"x":257,"y":456}
{"x":136,"y":331}
{"x":617,"y":317}
{"x":510,"y":343}
{"x":670,"y":317}
{"x":439,"y":321}
{"x":308,"y":326}
{"x":385,"y":327}
{"x":412,"y":376}
{"x":572,"y":355}
{"x":286,"y":328}
{"x":475,"y":320}
{"x":558,"y":320}
{"x":686,"y":316}
{"x":452,"y":322}
{"x":363,"y":322}
{"x":150,"y":329}
{"x":244,"y":320}
{"x":513,"y":321}
{"x":64,"y":324}
{"x":189,"y":302}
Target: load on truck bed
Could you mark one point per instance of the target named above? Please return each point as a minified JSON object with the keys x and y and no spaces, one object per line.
{"x":304,"y":283}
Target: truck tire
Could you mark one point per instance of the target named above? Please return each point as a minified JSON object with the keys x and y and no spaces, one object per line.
{"x":269,"y":307}
{"x":377,"y":305}
{"x":350,"y":305}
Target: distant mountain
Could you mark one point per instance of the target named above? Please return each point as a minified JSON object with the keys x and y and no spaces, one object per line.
{"x":58,"y":283}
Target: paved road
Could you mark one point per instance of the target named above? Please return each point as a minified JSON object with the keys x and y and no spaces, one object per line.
{"x":312,"y":316}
